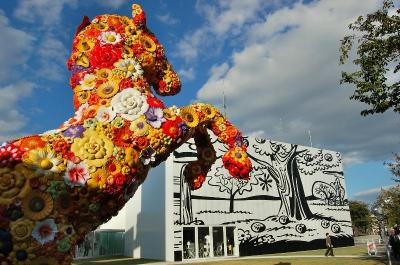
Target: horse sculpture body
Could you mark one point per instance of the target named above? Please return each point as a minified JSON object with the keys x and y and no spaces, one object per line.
{"x":58,"y":186}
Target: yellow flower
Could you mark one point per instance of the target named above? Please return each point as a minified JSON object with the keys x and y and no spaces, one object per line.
{"x":209,"y":111}
{"x":125,"y":170}
{"x":93,"y":148}
{"x":21,"y":229}
{"x":45,"y":161}
{"x":189,"y":116}
{"x":140,"y":127}
{"x":22,"y":254}
{"x":14,"y":183}
{"x":37,"y":205}
{"x":82,"y":95}
{"x":82,"y":60}
{"x":131,"y":156}
{"x":98,"y":179}
{"x":85,"y":45}
{"x":158,"y":141}
{"x":148,"y":43}
{"x":103,"y":74}
{"x":108,"y":89}
{"x":105,"y":129}
{"x":101,"y":25}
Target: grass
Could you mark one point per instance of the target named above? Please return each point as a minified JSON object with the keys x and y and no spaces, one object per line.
{"x":360,"y":251}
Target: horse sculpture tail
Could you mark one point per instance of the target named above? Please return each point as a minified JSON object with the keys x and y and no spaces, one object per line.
{"x":201,"y":117}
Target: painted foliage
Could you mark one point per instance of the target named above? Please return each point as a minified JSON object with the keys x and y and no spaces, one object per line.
{"x":294,"y":196}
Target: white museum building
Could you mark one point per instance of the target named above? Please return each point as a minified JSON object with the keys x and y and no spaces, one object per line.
{"x":295,"y":195}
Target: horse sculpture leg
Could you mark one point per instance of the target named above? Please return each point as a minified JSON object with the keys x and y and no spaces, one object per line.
{"x":201,"y":117}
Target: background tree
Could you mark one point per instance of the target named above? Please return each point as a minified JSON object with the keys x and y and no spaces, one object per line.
{"x":394,"y":167}
{"x":388,"y":203}
{"x":377,"y":39}
{"x":360,"y":216}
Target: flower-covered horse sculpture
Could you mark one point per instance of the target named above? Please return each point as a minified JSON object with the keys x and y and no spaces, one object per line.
{"x":58,"y":186}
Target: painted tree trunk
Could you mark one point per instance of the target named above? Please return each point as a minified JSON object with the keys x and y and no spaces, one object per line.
{"x":290,"y":188}
{"x":186,"y":213}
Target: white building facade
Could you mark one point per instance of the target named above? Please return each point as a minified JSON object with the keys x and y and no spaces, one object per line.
{"x":295,"y":195}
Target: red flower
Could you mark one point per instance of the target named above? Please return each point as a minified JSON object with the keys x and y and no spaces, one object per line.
{"x":155,"y":102}
{"x":137,"y":49}
{"x":93,"y":99}
{"x":104,"y":56}
{"x":171,"y":129}
{"x":141,"y":142}
{"x":125,"y":83}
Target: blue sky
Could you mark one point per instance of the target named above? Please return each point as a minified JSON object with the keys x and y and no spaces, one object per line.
{"x":276,"y":62}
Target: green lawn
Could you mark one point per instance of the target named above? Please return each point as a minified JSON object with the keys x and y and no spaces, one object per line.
{"x":268,"y":259}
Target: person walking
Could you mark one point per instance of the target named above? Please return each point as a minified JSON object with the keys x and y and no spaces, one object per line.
{"x":394,"y":241}
{"x":329,"y":246}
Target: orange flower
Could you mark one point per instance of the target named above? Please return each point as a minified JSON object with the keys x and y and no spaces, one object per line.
{"x":141,"y":142}
{"x":32,"y":142}
{"x":122,"y":136}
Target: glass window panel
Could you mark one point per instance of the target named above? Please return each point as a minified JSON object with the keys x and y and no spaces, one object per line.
{"x":189,"y":244}
{"x":204,"y":242}
{"x":218,"y":241}
{"x":230,"y":240}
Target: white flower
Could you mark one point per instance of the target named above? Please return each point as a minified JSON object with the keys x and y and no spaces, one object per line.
{"x":45,"y":231}
{"x":77,"y":116}
{"x":129,"y":103}
{"x":109,"y":37}
{"x":76,"y":174}
{"x":44,"y":161}
{"x":105,"y":114}
{"x":130,"y":67}
{"x":88,"y":82}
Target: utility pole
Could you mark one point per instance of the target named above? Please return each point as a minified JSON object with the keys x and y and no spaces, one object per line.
{"x":309,"y":136}
{"x":224,"y":105}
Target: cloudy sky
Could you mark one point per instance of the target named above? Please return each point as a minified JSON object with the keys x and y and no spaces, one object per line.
{"x":276,"y":62}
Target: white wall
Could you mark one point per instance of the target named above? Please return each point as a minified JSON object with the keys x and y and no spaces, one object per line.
{"x":145,"y":218}
{"x":117,"y":222}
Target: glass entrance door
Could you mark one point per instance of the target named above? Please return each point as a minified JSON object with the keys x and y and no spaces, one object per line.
{"x":209,"y":241}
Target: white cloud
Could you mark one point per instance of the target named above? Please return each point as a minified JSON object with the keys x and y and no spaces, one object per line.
{"x":188,"y":73}
{"x":16,"y":54}
{"x":369,"y":195}
{"x":114,"y":4}
{"x":52,"y":55}
{"x":222,"y":19}
{"x":47,"y":12}
{"x":167,"y":19}
{"x":285,"y":81}
{"x":11,"y":120}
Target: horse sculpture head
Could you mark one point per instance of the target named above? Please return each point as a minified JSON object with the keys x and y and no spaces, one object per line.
{"x":112,"y":49}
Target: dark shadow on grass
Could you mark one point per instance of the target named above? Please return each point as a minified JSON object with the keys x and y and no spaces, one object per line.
{"x":117,"y":260}
{"x":283,"y":263}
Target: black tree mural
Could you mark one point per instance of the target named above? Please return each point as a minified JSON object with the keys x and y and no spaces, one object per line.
{"x":232,"y":186}
{"x":284,"y":162}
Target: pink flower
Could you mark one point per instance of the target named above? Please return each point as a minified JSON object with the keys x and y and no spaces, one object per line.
{"x":76,"y":174}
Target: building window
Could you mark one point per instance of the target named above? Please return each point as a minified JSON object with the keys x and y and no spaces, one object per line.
{"x":204,"y":242}
{"x":189,"y":243}
{"x":218,"y":241}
